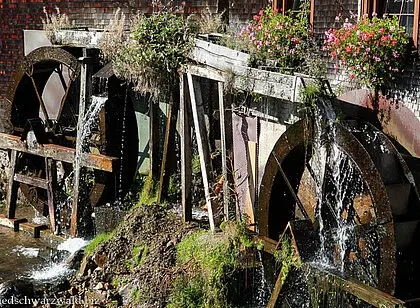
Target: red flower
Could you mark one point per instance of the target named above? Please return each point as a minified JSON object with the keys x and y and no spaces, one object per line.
{"x":347,"y":49}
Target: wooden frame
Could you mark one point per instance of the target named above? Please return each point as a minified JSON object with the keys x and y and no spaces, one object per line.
{"x":284,"y":7}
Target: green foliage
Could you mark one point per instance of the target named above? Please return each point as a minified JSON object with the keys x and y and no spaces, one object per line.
{"x":136,"y":296}
{"x":208,"y":261}
{"x":283,"y":38}
{"x":195,"y":163}
{"x":98,"y":239}
{"x":371,"y":49}
{"x":310,"y":94}
{"x":174,"y":190}
{"x":154,"y":51}
{"x":189,"y":293}
{"x":148,"y":192}
{"x":139,"y":255}
{"x":287,"y":257}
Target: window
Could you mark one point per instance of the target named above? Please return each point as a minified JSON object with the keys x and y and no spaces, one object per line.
{"x":407,"y":12}
{"x":293,"y":5}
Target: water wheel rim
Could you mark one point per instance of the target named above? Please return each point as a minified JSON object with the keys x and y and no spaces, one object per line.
{"x":302,"y":132}
{"x":53,"y":57}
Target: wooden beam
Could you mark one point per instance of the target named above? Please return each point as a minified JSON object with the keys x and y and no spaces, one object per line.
{"x":222,"y":108}
{"x":57,"y":152}
{"x":51,"y":183}
{"x":168,"y":147}
{"x":186,"y":170}
{"x":85,"y":85}
{"x":221,"y":60}
{"x":362,"y":291}
{"x":277,"y":288}
{"x":251,"y":192}
{"x":154,"y":139}
{"x":12,"y":187}
{"x":31,"y":180}
{"x":202,"y":142}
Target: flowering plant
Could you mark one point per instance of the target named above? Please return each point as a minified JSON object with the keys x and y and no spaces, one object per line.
{"x":274,"y":36}
{"x":371,"y":49}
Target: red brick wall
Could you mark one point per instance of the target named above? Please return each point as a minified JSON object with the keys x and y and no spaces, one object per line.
{"x":16,"y":15}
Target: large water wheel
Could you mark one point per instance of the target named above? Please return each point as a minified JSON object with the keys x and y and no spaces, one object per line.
{"x":45,"y":89}
{"x":354,"y":198}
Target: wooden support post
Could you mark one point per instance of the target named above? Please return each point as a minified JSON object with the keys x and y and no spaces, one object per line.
{"x":154,"y":139}
{"x":224,"y":151}
{"x":51,"y":182}
{"x":202,"y":142}
{"x":186,"y":170}
{"x":12,"y":187}
{"x":169,"y":147}
{"x":84,"y":97}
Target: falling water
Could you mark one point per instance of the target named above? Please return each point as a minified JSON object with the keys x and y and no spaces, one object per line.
{"x":59,"y":265}
{"x":91,"y":119}
{"x":339,"y":171}
{"x":261,"y":283}
{"x":123,"y":133}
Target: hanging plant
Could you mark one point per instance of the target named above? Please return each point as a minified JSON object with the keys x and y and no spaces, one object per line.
{"x":373,"y":50}
{"x":274,"y":36}
{"x":156,"y":48}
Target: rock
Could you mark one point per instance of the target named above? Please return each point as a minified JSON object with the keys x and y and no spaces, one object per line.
{"x":75,"y":261}
{"x":72,"y":291}
{"x":100,"y":259}
{"x":87,"y":266}
{"x":99,"y":286}
{"x":96,"y":297}
{"x":126,"y":292}
{"x":13,"y":290}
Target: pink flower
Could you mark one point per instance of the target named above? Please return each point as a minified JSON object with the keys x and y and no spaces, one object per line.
{"x":292,"y":51}
{"x":396,"y":54}
{"x":374,"y":14}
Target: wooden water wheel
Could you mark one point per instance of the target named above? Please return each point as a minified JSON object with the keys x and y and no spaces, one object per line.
{"x":44,"y":101}
{"x":357,"y":200}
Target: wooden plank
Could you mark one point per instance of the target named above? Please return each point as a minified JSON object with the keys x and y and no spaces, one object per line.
{"x":186,"y":170}
{"x":227,"y":55}
{"x":370,"y":295}
{"x":57,"y":152}
{"x":84,"y":97}
{"x":17,"y":222}
{"x":202,"y":142}
{"x":252,"y":173}
{"x":154,"y":139}
{"x":277,"y":289}
{"x":9,"y":223}
{"x":224,"y":66}
{"x":169,"y":147}
{"x":12,"y":187}
{"x":222,"y":108}
{"x":206,"y":72}
{"x":31,"y":180}
{"x":51,"y":185}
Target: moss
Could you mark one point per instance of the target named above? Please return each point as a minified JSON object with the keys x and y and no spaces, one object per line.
{"x":98,"y":239}
{"x":195,"y":163}
{"x":208,"y":262}
{"x":136,"y":296}
{"x":139,"y":255}
{"x":148,"y":192}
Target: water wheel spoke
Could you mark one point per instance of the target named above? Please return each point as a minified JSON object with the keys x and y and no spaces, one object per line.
{"x":289,"y":186}
{"x":41,"y":102}
{"x":63,"y":100}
